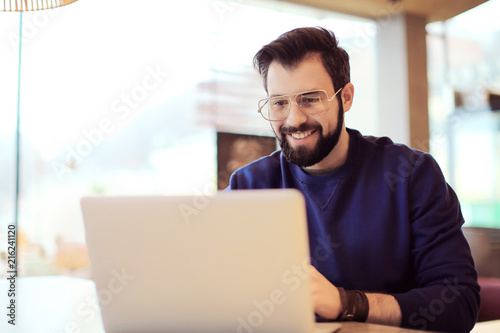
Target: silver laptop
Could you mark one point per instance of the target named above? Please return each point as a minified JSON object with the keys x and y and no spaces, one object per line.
{"x":231,"y":262}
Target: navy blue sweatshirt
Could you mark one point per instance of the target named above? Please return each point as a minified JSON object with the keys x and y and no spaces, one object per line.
{"x":386,"y":221}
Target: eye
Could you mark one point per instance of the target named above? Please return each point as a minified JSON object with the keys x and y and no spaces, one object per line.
{"x":279,"y":103}
{"x":311,"y":99}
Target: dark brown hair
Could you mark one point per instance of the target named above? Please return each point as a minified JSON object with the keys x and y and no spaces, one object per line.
{"x":293,"y":46}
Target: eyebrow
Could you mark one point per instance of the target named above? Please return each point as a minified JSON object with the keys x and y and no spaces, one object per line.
{"x":308,"y":92}
{"x":277,"y":95}
{"x":300,"y":92}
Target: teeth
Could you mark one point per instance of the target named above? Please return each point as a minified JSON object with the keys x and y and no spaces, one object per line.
{"x":301,"y":135}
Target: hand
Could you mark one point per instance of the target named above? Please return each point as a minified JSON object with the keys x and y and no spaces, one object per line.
{"x":326,"y":297}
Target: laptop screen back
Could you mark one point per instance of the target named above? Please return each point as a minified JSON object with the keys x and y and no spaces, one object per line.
{"x":232,"y":262}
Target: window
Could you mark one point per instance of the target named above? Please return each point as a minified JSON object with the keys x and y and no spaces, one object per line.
{"x":464,"y":72}
{"x":125,"y":98}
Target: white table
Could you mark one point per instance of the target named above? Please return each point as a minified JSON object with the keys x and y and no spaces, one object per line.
{"x":52,"y":304}
{"x":487,"y":327}
{"x":61,"y":304}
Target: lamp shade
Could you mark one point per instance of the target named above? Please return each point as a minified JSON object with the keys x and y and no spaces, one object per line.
{"x":30,"y":5}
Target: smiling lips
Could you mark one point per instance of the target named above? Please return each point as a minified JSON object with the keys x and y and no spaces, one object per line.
{"x":301,"y":135}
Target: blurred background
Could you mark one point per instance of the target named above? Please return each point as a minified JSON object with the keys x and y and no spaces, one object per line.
{"x":160,"y":97}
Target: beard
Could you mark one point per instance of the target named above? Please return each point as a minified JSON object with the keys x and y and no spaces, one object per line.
{"x":303,"y":157}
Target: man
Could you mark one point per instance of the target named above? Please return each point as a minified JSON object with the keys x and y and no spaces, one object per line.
{"x":396,"y":251}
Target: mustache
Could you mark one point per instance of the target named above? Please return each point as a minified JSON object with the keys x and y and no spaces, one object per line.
{"x":284,"y":130}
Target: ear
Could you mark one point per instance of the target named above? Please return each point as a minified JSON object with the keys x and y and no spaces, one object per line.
{"x":347,"y":95}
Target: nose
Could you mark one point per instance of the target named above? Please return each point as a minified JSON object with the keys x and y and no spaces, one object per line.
{"x":296,"y":117}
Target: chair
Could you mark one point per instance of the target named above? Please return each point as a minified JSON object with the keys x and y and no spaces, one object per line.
{"x":485,"y":248}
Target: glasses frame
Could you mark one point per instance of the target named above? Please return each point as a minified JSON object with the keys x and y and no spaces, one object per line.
{"x":293,"y":98}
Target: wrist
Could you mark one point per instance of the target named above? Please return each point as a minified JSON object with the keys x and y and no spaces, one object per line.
{"x":354,"y":305}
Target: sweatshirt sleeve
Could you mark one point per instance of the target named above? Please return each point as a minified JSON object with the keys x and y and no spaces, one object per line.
{"x":446,"y":295}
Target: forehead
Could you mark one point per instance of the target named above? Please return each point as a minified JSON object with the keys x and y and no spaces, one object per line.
{"x":309,"y":74}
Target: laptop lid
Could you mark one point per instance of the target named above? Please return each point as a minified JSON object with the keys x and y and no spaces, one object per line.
{"x":231,"y":262}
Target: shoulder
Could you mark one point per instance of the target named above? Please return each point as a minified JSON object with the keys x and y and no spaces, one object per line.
{"x":397,"y":163}
{"x":386,"y":148}
{"x":391,"y":155}
{"x":262,"y":173}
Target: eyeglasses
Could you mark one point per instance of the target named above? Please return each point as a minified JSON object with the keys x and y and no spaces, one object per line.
{"x":312,"y":102}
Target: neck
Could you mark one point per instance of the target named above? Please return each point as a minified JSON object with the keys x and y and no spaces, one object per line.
{"x":334,"y":160}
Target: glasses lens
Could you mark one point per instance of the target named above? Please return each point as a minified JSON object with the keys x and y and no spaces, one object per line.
{"x":275,"y":108}
{"x":313,"y":102}
{"x":310,"y":102}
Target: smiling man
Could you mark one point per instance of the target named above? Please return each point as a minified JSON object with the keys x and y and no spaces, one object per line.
{"x":308,"y":139}
{"x":396,"y":254}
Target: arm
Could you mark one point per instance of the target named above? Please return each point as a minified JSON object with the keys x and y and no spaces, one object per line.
{"x":446,"y":294}
{"x":383,"y":309}
{"x":442,"y":293}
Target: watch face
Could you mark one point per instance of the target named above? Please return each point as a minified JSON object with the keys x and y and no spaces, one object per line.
{"x":349,"y":317}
